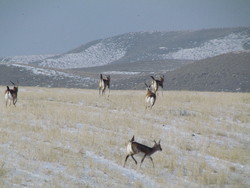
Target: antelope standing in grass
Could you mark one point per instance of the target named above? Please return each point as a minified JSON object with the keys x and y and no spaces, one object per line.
{"x":103,"y":84}
{"x":150,"y":98}
{"x":155,"y":84}
{"x":134,"y":148}
{"x":11,"y":94}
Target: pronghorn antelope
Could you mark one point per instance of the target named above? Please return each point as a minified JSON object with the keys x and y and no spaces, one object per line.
{"x":11,"y":94}
{"x":149,"y":98}
{"x":155,"y":84}
{"x":103,"y":83}
{"x":134,"y":148}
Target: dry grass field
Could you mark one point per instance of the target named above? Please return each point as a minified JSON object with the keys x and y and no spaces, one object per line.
{"x":75,"y":138}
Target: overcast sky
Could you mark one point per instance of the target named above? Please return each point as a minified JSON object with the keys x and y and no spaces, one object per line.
{"x":30,"y":27}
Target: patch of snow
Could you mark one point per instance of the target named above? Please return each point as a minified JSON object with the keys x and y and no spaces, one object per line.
{"x":131,"y":174}
{"x":39,"y":71}
{"x":110,"y":50}
{"x":52,"y":73}
{"x":121,"y":72}
{"x":163,"y":48}
{"x":25,"y":59}
{"x":95,"y":55}
{"x":230,"y":43}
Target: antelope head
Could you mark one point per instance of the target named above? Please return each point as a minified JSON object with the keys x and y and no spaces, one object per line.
{"x":157,"y":146}
{"x":15,"y":87}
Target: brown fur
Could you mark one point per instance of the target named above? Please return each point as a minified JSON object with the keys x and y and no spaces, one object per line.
{"x":103,"y":84}
{"x":13,"y":92}
{"x":155,"y":84}
{"x":134,"y":148}
{"x":150,"y":98}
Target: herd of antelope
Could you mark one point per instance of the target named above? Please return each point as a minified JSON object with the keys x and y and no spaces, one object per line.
{"x":151,"y":90}
{"x":133,"y":147}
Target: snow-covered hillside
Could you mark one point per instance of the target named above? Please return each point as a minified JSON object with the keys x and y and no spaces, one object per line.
{"x":96,"y":55}
{"x":230,"y":43}
{"x":146,"y":46}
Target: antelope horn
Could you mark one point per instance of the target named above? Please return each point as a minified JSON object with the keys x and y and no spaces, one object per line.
{"x":12,"y":83}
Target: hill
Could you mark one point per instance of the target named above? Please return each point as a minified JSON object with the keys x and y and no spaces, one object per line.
{"x":147,"y":46}
{"x":191,"y":60}
{"x":227,"y":72}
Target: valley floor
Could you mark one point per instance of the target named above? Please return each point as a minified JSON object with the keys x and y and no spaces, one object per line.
{"x":76,"y":138}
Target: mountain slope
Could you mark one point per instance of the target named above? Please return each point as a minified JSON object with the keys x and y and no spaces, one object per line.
{"x":131,"y":59}
{"x":150,"y":46}
{"x":35,"y":76}
{"x":227,"y":72}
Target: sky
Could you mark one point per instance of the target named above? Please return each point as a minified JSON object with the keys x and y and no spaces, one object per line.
{"x":37,"y":27}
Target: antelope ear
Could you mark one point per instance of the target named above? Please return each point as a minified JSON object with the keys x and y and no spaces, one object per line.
{"x":159,"y":141}
{"x":155,"y":142}
{"x":133,"y":138}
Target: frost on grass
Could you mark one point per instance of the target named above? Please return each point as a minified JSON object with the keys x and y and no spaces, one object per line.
{"x":73,"y":138}
{"x":132,"y":175}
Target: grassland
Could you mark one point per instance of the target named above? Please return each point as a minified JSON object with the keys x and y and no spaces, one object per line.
{"x":75,"y":138}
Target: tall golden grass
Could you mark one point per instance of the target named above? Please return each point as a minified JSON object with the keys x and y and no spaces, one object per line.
{"x":75,"y":138}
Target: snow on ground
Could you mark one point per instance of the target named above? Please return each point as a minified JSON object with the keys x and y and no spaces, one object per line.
{"x":74,"y":138}
{"x":111,"y":50}
{"x":230,"y":43}
{"x":132,"y":175}
{"x":25,"y":59}
{"x":95,"y":55}
{"x":53,"y":73}
{"x":121,"y":72}
{"x":42,"y":71}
